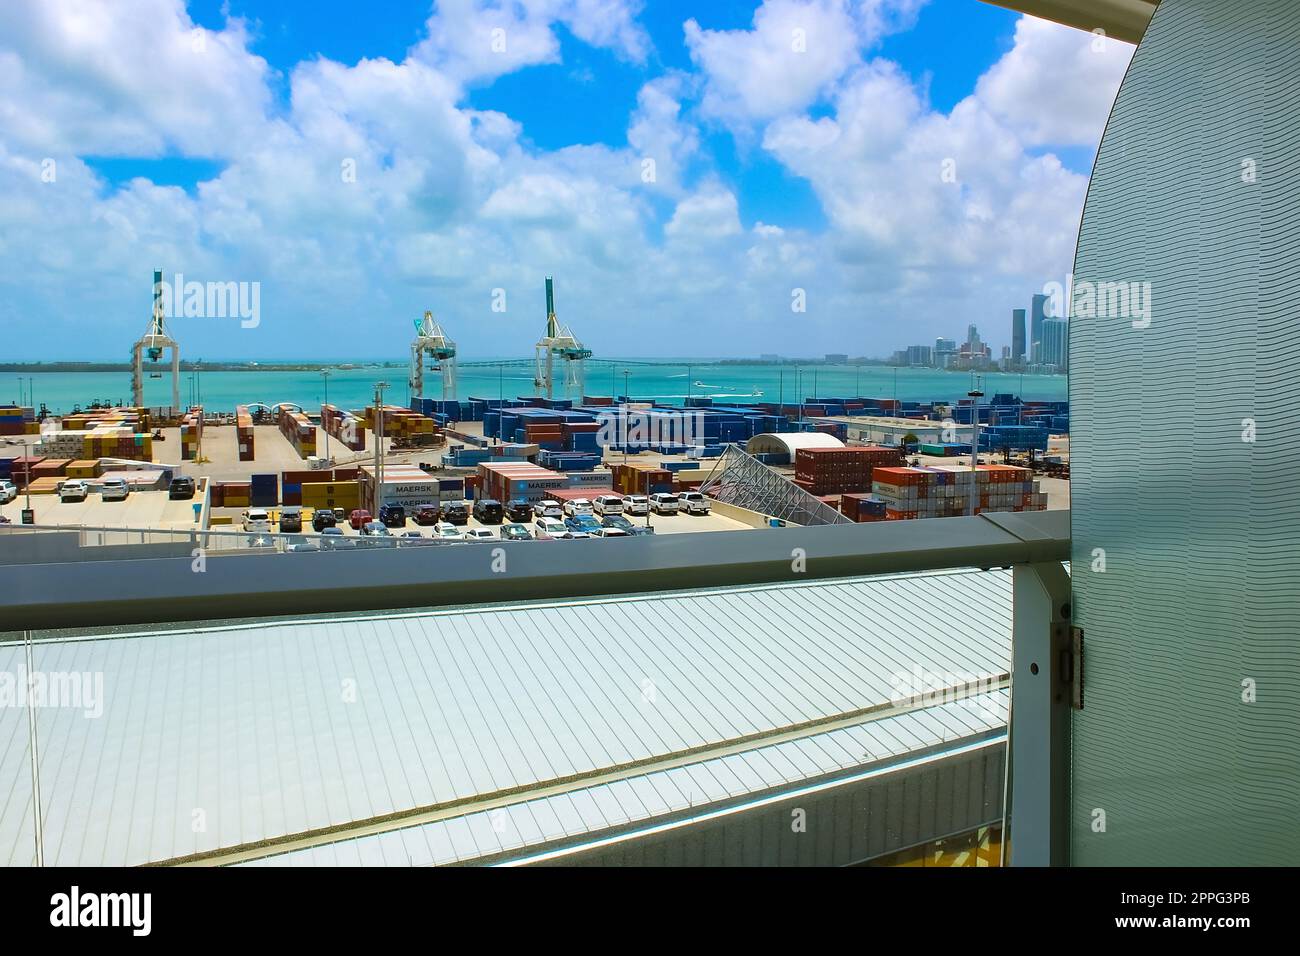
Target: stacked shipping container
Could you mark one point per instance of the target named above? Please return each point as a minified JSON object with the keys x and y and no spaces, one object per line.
{"x":505,"y":481}
{"x":641,"y":478}
{"x":18,"y":420}
{"x":831,"y":471}
{"x":244,"y":433}
{"x":344,"y":427}
{"x":945,"y":490}
{"x":300,"y":432}
{"x":191,"y":433}
{"x":401,"y":422}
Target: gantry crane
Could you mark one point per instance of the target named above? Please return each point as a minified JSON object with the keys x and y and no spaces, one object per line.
{"x":154,"y":343}
{"x":430,"y":340}
{"x":560,"y":343}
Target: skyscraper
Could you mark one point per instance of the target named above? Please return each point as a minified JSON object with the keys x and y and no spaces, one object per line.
{"x":1017,"y":335}
{"x":1038,"y":314}
{"x":1056,"y":343}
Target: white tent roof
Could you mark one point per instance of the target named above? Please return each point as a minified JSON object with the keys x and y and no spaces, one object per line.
{"x":777,"y":442}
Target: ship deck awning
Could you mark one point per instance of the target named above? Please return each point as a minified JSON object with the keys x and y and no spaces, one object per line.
{"x":299,"y":738}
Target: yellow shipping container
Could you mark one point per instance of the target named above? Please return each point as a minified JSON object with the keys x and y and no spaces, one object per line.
{"x":44,"y":486}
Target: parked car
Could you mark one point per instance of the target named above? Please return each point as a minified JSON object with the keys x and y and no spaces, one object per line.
{"x":256,"y":521}
{"x":427,"y":515}
{"x":446,"y":531}
{"x":618,"y":523}
{"x":323,"y":519}
{"x":455,"y":512}
{"x":332,"y":539}
{"x":8,"y":492}
{"x":74,"y":489}
{"x":692,"y":502}
{"x":488,"y":511}
{"x":519,"y":510}
{"x":604,"y":532}
{"x":478,"y":534}
{"x":577,"y":506}
{"x":181,"y":488}
{"x":607,"y":505}
{"x":359,"y":517}
{"x":301,"y":544}
{"x":514,"y":532}
{"x":575,"y":528}
{"x":114,"y":489}
{"x":392,"y":516}
{"x":545,"y":527}
{"x":290,"y":520}
{"x":376,"y":529}
{"x":588,"y":523}
{"x":662,"y":503}
{"x":548,"y":508}
{"x":636,"y":505}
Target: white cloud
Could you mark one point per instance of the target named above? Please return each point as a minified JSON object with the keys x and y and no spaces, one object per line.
{"x":795,"y":52}
{"x":134,"y":79}
{"x":473,"y":41}
{"x":1056,"y":84}
{"x":710,"y":214}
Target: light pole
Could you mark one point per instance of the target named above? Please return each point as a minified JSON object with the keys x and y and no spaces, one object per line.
{"x":798,"y":387}
{"x":28,"y":516}
{"x":975,"y":395}
{"x":325,"y":378}
{"x":379,"y":443}
{"x":626,"y":399}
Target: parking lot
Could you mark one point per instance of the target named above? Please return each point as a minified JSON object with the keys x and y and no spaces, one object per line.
{"x":662,"y":524}
{"x":141,"y":509}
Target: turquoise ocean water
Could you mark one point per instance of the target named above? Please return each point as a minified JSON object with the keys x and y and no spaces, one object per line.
{"x":664,"y":381}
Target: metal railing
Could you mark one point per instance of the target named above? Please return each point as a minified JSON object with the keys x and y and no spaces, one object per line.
{"x":216,"y":542}
{"x":1046,"y":679}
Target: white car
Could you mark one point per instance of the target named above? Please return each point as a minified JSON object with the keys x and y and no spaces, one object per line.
{"x":636,"y":505}
{"x":604,"y":532}
{"x":8,"y":492}
{"x":692,"y":502}
{"x":548,"y":508}
{"x":479,"y":534}
{"x":256,"y":521}
{"x":607,"y":505}
{"x":578,"y":506}
{"x":446,"y":531}
{"x":664,"y":504}
{"x":114,"y":489}
{"x":545,"y":527}
{"x":74,"y":489}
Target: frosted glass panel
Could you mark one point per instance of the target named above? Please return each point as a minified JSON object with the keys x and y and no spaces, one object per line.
{"x":1186,"y":449}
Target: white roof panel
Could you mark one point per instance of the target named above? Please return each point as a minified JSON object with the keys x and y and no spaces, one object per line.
{"x":214,"y":738}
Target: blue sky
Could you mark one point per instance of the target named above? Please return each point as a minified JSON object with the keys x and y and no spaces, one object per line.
{"x":777,"y":171}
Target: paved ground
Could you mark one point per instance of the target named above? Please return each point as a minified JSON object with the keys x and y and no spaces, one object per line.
{"x":141,"y":509}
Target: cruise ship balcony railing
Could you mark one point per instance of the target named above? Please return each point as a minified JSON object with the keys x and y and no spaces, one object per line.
{"x":83,"y":578}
